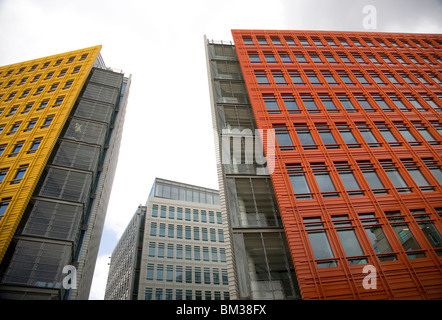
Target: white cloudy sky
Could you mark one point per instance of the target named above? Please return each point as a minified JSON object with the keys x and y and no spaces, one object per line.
{"x":168,"y":130}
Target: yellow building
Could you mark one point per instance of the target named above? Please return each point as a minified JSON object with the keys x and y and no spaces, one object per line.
{"x":37,"y":102}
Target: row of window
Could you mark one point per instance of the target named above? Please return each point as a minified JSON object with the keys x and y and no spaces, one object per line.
{"x":37,"y":77}
{"x":167,"y":294}
{"x":319,"y":41}
{"x":186,"y":274}
{"x":197,"y":215}
{"x":38,"y":91}
{"x":34,"y":67}
{"x":17,"y":178}
{"x":28,"y":107}
{"x":375,"y":232}
{"x":32,"y":147}
{"x":159,"y":229}
{"x":326,"y":182}
{"x":330,"y":77}
{"x":288,"y":57}
{"x":394,"y":135}
{"x":349,"y":104}
{"x":29,"y":126}
{"x":175,"y":251}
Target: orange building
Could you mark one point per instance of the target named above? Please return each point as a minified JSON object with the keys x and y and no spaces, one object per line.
{"x":357,"y":177}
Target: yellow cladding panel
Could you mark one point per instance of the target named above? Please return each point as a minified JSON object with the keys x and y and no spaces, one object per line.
{"x":36,"y":98}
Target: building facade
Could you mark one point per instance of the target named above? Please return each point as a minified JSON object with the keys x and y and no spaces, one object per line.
{"x":61,"y":120}
{"x":174,"y":248}
{"x":351,"y":127}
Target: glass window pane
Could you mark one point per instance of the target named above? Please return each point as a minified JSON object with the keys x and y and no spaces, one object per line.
{"x":325,"y":182}
{"x":349,"y":181}
{"x":320,"y":245}
{"x":418,"y":177}
{"x":406,"y":237}
{"x":306,"y":138}
{"x":373,"y":179}
{"x":327,"y":137}
{"x":350,"y":243}
{"x":431,"y":233}
{"x":283,"y":138}
{"x":348,"y":137}
{"x":378,"y":240}
{"x":396,"y":178}
{"x":299,"y":183}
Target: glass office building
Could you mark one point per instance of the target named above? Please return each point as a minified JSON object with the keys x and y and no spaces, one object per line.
{"x":350,"y":123}
{"x":180,"y":248}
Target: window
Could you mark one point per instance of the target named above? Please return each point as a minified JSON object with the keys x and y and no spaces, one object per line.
{"x":47,"y":121}
{"x":161,"y":248}
{"x":170,"y":251}
{"x":395,"y":176}
{"x":150,"y":271}
{"x":406,"y":133}
{"x":163,"y":212}
{"x":347,"y":136}
{"x":348,"y":179}
{"x":3,"y":173}
{"x":428,"y":228}
{"x":347,"y":104}
{"x":214,"y":254}
{"x":188,"y":233}
{"x":376,"y":235}
{"x":58,"y":102}
{"x":366,"y":133}
{"x":271,"y":105}
{"x":42,"y":105}
{"x":279,"y":78}
{"x":31,"y":124}
{"x":153,"y":228}
{"x":369,"y":172}
{"x":313,"y":78}
{"x":179,"y":251}
{"x":387,"y":134}
{"x":206,"y":275}
{"x":310,"y":104}
{"x":327,"y":137}
{"x":283,"y":138}
{"x":197,"y":253}
{"x":285,"y":58}
{"x":300,"y":58}
{"x":160,"y":273}
{"x":16,"y":149}
{"x":68,"y":84}
{"x":196,"y":233}
{"x":179,"y":274}
{"x":188,"y":252}
{"x":14,"y":128}
{"x":188,"y":274}
{"x":319,"y":242}
{"x":170,"y":232}
{"x":151,"y":252}
{"x":155,"y":211}
{"x":261,"y":78}
{"x":290,"y":104}
{"x":34,"y":146}
{"x":329,"y":104}
{"x":434,"y":168}
{"x":4,"y":203}
{"x":299,"y":183}
{"x":270,"y":58}
{"x":324,"y":180}
{"x":28,"y":107}
{"x":212,"y":235}
{"x":417,"y":175}
{"x":19,"y":174}
{"x":404,"y":234}
{"x":296,"y":78}
{"x":349,"y":240}
{"x":305,"y":137}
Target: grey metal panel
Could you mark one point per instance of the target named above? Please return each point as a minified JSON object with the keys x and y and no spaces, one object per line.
{"x":86,"y":131}
{"x":67,"y":185}
{"x":54,"y":220}
{"x":94,"y":110}
{"x":37,"y":264}
{"x":101,"y":93}
{"x":107,"y":78}
{"x":76,"y":155}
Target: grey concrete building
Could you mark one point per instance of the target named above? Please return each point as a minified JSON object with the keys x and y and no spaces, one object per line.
{"x":183,"y":254}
